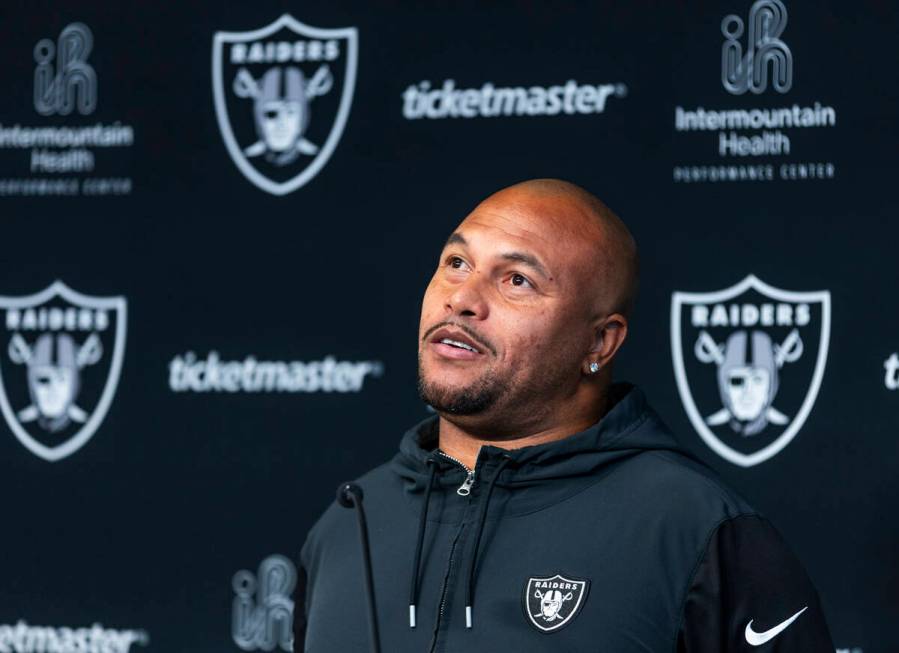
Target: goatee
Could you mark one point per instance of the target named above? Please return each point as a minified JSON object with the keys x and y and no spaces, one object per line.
{"x":469,"y":400}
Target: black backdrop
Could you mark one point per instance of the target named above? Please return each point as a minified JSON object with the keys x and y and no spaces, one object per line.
{"x":143,"y":527}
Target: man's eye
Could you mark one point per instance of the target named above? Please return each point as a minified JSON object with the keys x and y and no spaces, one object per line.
{"x":520,"y":280}
{"x":456,"y":262}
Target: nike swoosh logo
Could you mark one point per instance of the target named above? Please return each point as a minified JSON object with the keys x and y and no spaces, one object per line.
{"x":757,"y":639}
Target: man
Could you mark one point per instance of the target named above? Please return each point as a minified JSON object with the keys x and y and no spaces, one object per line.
{"x":545,"y":508}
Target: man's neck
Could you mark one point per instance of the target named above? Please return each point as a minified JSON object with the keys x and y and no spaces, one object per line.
{"x":454,"y":440}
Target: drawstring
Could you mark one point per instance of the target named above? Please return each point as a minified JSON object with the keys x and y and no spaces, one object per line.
{"x":422,"y":524}
{"x":482,"y":518}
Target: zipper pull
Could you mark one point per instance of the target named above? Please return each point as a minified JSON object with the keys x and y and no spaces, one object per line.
{"x":465,"y":489}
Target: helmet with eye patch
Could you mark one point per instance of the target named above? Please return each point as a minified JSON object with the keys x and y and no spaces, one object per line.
{"x":54,"y":378}
{"x":748,"y":379}
{"x":281,"y":108}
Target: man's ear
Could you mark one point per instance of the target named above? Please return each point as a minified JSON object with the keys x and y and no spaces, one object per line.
{"x":609,"y":336}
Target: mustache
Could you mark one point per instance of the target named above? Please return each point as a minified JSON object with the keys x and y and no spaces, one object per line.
{"x":471,"y":333}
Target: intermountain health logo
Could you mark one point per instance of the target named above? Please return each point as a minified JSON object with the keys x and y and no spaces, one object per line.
{"x":756,"y":140}
{"x":62,"y":148}
{"x":749,"y":361}
{"x":60,"y":366}
{"x":766,"y":56}
{"x":282,"y":97}
{"x":262,"y":609}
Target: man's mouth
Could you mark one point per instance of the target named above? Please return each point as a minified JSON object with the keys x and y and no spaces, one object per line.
{"x":459,"y":344}
{"x":453,"y":343}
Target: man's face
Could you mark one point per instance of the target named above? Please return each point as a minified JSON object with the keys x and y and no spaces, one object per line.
{"x":505,"y":320}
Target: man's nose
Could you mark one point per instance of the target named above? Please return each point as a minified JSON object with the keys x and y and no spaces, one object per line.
{"x":467,"y":299}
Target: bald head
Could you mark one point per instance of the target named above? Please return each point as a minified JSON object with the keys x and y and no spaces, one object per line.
{"x":526,"y":311}
{"x":575,"y":213}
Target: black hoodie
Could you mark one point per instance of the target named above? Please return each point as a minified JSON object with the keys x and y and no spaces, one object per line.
{"x":611,"y":540}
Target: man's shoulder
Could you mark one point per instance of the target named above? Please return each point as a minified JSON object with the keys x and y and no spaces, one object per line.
{"x":683,"y":489}
{"x":666,"y":474}
{"x":676,"y":467}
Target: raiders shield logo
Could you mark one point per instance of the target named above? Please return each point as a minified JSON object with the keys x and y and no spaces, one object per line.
{"x":552,"y":602}
{"x":282,"y":97}
{"x":60,"y":357}
{"x":749,"y":361}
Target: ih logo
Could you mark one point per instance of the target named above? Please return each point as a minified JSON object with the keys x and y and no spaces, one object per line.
{"x":748,"y":71}
{"x":63,"y":79}
{"x":262,"y":610}
{"x":282,"y":97}
{"x":552,"y":602}
{"x":63,"y":356}
{"x":749,"y":361}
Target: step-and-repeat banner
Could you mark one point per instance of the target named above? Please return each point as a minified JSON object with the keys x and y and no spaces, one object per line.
{"x":218,"y":222}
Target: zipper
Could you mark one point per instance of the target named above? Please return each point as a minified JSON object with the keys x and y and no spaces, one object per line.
{"x":446,"y":581}
{"x":465,"y":489}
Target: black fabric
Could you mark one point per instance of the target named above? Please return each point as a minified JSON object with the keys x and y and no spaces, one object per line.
{"x":748,"y":576}
{"x":422,"y":525}
{"x":618,"y":506}
{"x":479,"y":531}
{"x":299,"y":613}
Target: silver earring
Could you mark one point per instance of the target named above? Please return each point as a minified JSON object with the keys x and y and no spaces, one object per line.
{"x":594,"y":368}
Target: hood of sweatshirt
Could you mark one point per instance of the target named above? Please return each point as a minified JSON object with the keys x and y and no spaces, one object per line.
{"x":507,"y":483}
{"x":653,"y":550}
{"x":628,"y":428}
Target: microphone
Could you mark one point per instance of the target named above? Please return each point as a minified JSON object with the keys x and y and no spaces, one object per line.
{"x":349,"y":495}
